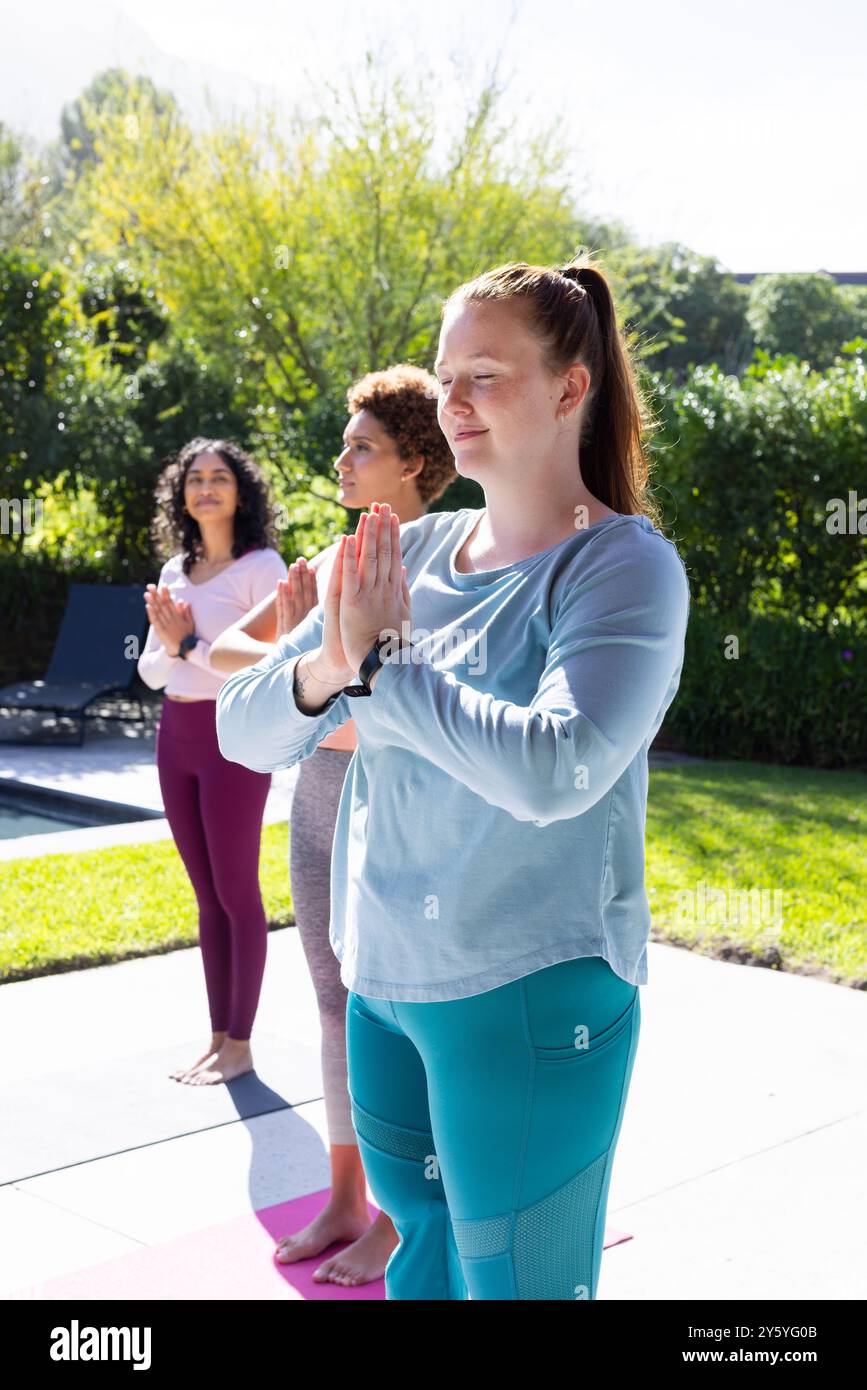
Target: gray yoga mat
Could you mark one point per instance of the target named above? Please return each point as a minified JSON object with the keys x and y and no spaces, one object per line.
{"x":74,"y":1116}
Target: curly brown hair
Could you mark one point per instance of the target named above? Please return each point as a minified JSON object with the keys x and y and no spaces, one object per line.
{"x":404,"y":400}
{"x":254,"y":518}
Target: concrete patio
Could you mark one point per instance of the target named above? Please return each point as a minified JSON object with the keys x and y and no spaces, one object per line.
{"x":739,"y":1172}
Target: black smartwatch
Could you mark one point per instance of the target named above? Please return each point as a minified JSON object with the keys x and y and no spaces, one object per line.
{"x":370,"y":665}
{"x":186,"y":644}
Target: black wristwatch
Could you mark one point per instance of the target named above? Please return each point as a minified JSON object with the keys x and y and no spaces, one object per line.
{"x":371,"y":663}
{"x":186,"y":644}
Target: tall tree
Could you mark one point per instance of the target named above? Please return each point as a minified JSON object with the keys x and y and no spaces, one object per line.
{"x":114,"y":91}
{"x":806,"y":315}
{"x":22,"y":191}
{"x":304,"y":253}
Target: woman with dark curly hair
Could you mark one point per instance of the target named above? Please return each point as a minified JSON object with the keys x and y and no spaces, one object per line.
{"x":393,"y":448}
{"x":213,"y":500}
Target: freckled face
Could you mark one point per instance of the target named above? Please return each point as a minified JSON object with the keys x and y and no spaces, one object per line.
{"x":498,"y":400}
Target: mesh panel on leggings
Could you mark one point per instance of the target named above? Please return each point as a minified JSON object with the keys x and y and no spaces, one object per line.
{"x":394,"y":1139}
{"x":476,"y":1240}
{"x":553,"y":1251}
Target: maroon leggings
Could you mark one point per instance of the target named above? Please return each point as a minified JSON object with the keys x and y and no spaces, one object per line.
{"x":215,"y":810}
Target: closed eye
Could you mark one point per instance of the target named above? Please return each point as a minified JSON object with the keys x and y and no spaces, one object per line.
{"x":487,"y":376}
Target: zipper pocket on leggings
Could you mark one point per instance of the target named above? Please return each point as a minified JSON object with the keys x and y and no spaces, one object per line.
{"x":602,"y":1040}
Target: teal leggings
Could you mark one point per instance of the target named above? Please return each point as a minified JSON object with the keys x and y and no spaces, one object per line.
{"x":487,"y":1128}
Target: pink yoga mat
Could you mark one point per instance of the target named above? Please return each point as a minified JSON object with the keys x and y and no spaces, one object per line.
{"x":232,"y":1260}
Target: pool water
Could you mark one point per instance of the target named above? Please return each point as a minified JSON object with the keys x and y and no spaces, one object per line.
{"x":34,"y":810}
{"x":14,"y":823}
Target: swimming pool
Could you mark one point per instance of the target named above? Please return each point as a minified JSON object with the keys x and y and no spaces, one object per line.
{"x":15,"y":822}
{"x":26,"y":809}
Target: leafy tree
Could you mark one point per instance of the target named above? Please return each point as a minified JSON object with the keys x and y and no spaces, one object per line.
{"x":302,"y":254}
{"x":22,"y":191}
{"x":124,"y":310}
{"x":689,"y":311}
{"x":38,"y":345}
{"x":89,"y":408}
{"x":804,"y":315}
{"x":855,"y":299}
{"x":112,"y":91}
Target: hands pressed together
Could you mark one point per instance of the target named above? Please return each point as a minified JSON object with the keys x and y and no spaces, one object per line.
{"x":171,"y":621}
{"x":367,"y":595}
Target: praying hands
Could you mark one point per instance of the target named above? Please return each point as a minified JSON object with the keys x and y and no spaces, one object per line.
{"x":171,"y":621}
{"x":367,"y":597}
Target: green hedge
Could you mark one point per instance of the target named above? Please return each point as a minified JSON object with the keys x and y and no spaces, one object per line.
{"x":791,"y":695}
{"x":751,"y":473}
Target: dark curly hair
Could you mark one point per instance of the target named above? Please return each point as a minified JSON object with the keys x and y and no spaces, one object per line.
{"x":404,"y":400}
{"x":254,"y":518}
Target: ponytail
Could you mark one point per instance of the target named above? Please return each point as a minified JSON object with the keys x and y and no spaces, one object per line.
{"x":573,"y":312}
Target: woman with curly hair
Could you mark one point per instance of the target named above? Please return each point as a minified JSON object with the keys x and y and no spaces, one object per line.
{"x":393,"y":448}
{"x":488,"y":898}
{"x":213,"y":501}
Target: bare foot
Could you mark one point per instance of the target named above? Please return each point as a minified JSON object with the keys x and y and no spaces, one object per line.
{"x":217,"y":1041}
{"x":364,"y":1260}
{"x":334,"y":1222}
{"x":233,"y":1059}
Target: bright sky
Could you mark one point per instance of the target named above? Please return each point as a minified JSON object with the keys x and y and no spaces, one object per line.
{"x":734,"y":127}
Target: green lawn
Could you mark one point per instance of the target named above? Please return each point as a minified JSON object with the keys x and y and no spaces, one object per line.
{"x":731,"y":826}
{"x":796,"y":832}
{"x":65,"y":911}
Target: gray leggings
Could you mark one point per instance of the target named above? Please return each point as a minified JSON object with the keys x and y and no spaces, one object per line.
{"x":314,"y":813}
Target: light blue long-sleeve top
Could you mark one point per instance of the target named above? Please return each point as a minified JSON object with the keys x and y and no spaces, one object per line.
{"x":493,"y":813}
